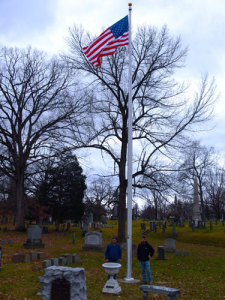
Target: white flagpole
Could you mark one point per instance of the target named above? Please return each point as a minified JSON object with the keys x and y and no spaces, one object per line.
{"x":129,"y":167}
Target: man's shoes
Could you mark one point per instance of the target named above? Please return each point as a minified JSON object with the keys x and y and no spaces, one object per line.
{"x":144,"y":282}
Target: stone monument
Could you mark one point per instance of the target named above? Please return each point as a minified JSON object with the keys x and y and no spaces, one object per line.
{"x":34,"y":237}
{"x":170,"y":245}
{"x":93,"y":241}
{"x":196,"y":214}
{"x":63,"y":283}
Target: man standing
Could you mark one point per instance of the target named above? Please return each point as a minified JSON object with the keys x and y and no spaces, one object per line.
{"x":144,"y":252}
{"x":113,"y":252}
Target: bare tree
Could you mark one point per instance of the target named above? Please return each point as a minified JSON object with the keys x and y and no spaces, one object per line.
{"x":216,"y":192}
{"x":161,"y":110}
{"x":198,"y":162}
{"x":99,"y":196}
{"x":36,"y":101}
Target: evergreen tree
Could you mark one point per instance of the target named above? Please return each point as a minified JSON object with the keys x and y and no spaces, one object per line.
{"x":62,"y":188}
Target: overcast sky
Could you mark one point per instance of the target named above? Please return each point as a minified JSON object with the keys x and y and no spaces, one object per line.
{"x":44,"y":24}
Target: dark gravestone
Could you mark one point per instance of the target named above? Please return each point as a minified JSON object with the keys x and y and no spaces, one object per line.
{"x":151,"y":226}
{"x":60,"y":289}
{"x":143,"y":226}
{"x":161,"y":253}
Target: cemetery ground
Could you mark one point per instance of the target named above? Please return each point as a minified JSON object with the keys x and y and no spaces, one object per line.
{"x":201,"y":275}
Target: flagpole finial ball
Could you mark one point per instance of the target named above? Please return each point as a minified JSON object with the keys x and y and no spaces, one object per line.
{"x":129,"y":4}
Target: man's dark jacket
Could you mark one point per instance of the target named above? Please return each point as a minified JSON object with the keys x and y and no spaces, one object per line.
{"x":144,"y":250}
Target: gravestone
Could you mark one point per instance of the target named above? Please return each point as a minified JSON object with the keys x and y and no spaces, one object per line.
{"x":69,"y":259}
{"x":85,"y":228}
{"x":170,"y":245}
{"x":54,"y":261}
{"x":103,"y":219}
{"x":75,"y":258}
{"x":143,"y":226}
{"x":33,"y":256}
{"x":178,"y":252}
{"x":93,"y":241}
{"x":94,"y":225}
{"x":34,"y":237}
{"x":46,"y":263}
{"x":27,"y":258}
{"x":161,"y":253}
{"x":40,"y":255}
{"x":63,"y":283}
{"x":18,"y":258}
{"x":115,"y":212}
{"x":186,"y":253}
{"x":62,"y":261}
{"x":151,"y":226}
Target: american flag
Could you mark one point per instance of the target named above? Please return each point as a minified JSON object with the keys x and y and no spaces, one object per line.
{"x":115,"y":36}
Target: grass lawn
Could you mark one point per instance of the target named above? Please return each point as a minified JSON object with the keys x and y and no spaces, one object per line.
{"x":199,"y":276}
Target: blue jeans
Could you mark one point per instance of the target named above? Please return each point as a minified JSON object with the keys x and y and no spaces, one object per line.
{"x":114,"y":276}
{"x":145,"y":268}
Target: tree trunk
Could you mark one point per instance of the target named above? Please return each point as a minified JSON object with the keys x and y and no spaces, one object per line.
{"x":201,"y":201}
{"x":20,"y":203}
{"x":122,"y":214}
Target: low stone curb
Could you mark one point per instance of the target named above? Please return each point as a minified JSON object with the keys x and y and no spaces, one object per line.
{"x":65,"y":259}
{"x":27,"y":257}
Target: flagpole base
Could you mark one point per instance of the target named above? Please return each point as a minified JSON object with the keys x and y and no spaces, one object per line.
{"x":128,"y":280}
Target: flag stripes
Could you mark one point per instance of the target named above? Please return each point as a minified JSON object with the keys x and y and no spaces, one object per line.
{"x":107,"y":43}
